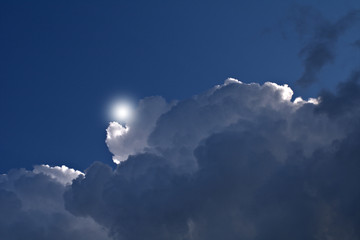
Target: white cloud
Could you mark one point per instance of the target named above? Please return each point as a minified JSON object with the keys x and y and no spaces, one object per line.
{"x":63,"y":174}
{"x":285,"y":91}
{"x":175,"y":130}
{"x":123,"y":141}
{"x":180,"y":130}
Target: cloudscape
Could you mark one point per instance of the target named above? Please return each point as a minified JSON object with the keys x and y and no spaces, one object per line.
{"x":239,"y":160}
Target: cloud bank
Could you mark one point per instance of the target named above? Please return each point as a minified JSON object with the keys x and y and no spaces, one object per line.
{"x":239,"y":161}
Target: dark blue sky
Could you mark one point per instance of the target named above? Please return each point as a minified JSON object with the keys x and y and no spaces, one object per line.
{"x":61,"y":62}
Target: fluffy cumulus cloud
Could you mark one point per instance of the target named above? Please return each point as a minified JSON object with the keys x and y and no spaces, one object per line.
{"x":32,"y":206}
{"x":132,"y":138}
{"x":239,"y":161}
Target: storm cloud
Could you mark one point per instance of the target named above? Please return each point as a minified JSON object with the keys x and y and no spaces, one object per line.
{"x":239,"y":161}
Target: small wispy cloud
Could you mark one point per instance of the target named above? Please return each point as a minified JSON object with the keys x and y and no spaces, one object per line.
{"x":320,"y":49}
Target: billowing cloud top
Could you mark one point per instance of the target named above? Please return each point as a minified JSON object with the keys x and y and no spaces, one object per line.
{"x":181,"y":127}
{"x":239,"y":161}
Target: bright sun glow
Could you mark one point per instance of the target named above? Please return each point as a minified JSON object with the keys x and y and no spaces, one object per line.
{"x":122,"y":111}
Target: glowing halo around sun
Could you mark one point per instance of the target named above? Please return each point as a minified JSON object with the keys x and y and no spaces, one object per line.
{"x":122,"y":111}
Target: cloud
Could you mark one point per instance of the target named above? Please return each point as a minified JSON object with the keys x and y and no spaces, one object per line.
{"x":63,"y":174}
{"x":32,"y":206}
{"x":320,"y":49}
{"x":123,"y":141}
{"x":346,"y":100}
{"x":239,"y":161}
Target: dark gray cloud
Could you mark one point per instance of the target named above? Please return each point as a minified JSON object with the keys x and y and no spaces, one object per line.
{"x":241,"y":161}
{"x":32,"y":207}
{"x":345,"y":101}
{"x":320,"y":49}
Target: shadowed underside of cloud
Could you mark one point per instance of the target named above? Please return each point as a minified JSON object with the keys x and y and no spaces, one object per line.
{"x":320,"y":50}
{"x":239,"y":161}
{"x":32,"y":206}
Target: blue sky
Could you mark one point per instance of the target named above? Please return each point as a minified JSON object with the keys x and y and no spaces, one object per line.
{"x":62,"y":62}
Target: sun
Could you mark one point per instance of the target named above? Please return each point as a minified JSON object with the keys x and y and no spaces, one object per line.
{"x":122,"y":111}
